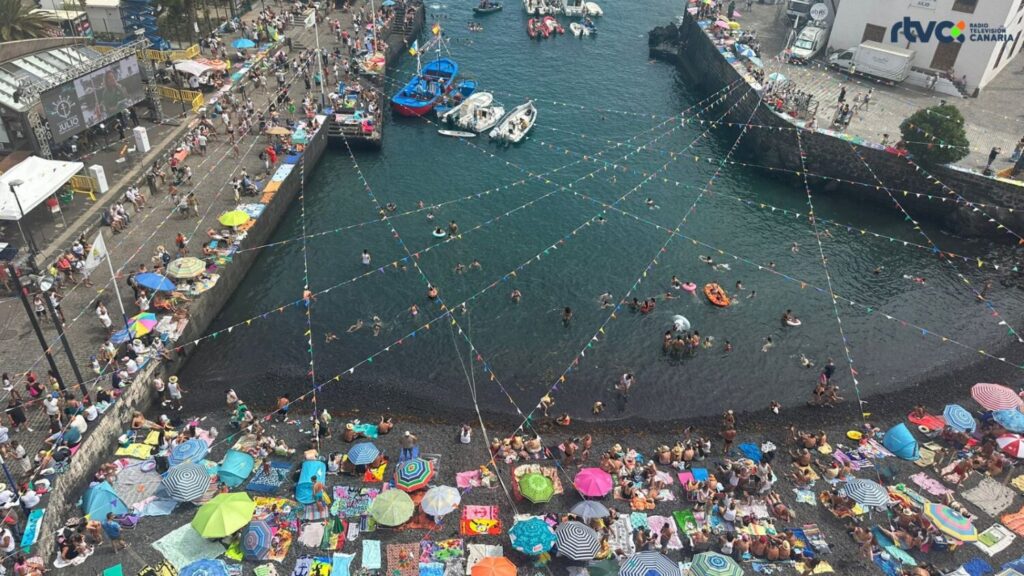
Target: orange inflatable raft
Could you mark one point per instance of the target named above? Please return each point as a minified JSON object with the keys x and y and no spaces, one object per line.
{"x":716,"y":295}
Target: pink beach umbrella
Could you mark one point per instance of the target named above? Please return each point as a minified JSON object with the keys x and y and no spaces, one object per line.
{"x":593,"y":482}
{"x":1011,"y":444}
{"x":995,"y":396}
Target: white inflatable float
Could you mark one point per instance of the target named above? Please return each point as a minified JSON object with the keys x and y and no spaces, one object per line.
{"x":680,"y":323}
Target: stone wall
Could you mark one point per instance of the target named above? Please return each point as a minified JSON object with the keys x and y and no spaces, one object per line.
{"x":774,"y":145}
{"x":103,"y":433}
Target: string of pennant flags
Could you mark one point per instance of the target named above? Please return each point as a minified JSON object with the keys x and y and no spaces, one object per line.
{"x":308,"y":301}
{"x":935,"y":249}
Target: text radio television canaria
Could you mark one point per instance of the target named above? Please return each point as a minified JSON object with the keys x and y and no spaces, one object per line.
{"x":946,"y":31}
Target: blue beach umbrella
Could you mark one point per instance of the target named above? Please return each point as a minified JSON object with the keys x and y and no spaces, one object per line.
{"x":958,"y":418}
{"x":1011,"y":419}
{"x":243,"y":43}
{"x":532,"y":536}
{"x":155,"y":282}
{"x":188,"y":451}
{"x":387,"y":3}
{"x":256,"y":540}
{"x":756,"y":61}
{"x":363,"y":454}
{"x":205,"y":568}
{"x":649,"y":563}
{"x":745,"y":51}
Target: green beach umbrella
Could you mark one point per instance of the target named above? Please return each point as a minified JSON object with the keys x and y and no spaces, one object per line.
{"x":224,"y":515}
{"x":234,"y":218}
{"x":185,"y":268}
{"x":536,"y":488}
{"x":714,"y":564}
{"x":609,"y":567}
{"x":392,"y":508}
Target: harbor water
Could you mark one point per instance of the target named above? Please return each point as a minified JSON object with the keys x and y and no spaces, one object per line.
{"x":600,"y":103}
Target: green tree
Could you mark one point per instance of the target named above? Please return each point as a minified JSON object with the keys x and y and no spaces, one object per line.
{"x":20,"y":22}
{"x":936,"y":135}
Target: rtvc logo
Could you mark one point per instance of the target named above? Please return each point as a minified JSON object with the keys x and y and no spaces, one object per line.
{"x":915,"y":31}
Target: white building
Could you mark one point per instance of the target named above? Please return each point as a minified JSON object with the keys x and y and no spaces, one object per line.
{"x":973,"y":38}
{"x":104,"y":15}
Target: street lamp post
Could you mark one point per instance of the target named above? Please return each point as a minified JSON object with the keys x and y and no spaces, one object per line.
{"x":26,"y":236}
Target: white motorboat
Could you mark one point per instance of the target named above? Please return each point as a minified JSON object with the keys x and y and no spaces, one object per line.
{"x":483,"y":118}
{"x":592,"y":9}
{"x":514,"y":127}
{"x":573,"y":7}
{"x":467,"y":107}
{"x":580,"y":30}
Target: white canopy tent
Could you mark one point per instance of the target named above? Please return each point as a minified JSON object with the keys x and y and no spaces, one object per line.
{"x":40,"y":178}
{"x":192,"y":67}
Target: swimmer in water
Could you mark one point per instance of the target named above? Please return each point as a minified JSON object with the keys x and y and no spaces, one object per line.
{"x":431,"y":292}
{"x":676,"y":283}
{"x":330,"y":337}
{"x":739,"y":285}
{"x":460,"y":268}
{"x":805,"y":361}
{"x":430,"y":217}
{"x":377,"y":325}
{"x":771,"y":265}
{"x":420,"y":205}
{"x":357,"y":326}
{"x":767,"y":344}
{"x":566,"y":316}
{"x":651,"y":205}
{"x":605,"y":300}
{"x":752,"y":294}
{"x":788,"y":317}
{"x":307,"y":296}
{"x":439,"y":232}
{"x":516,"y":295}
{"x":414,"y":311}
{"x":794,"y":248}
{"x":983,"y":294}
{"x":600,"y":220}
{"x":878,"y":270}
{"x":916,"y":279}
{"x":453,"y":228}
{"x":670,"y":296}
{"x":728,"y":346}
{"x":475,"y":265}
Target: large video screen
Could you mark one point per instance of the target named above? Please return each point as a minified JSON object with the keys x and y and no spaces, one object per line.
{"x":88,"y":100}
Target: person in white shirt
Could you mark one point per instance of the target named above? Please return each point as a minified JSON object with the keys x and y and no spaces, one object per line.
{"x":103,"y":315}
{"x":130,"y":365}
{"x":30,"y":499}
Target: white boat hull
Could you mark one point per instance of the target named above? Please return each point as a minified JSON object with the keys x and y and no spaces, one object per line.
{"x":514,"y":127}
{"x":592,"y":9}
{"x":468,"y":107}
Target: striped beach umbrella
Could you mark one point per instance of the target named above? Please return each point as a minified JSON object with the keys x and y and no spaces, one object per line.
{"x":363,"y":454}
{"x":950,"y":522}
{"x":649,"y":563}
{"x":536,"y":488}
{"x":867,"y":493}
{"x":577,"y":541}
{"x":714,"y":564}
{"x":188,"y":451}
{"x":532,"y":536}
{"x":186,"y":482}
{"x":958,"y":418}
{"x":1011,"y":444}
{"x":593,"y":482}
{"x":414,"y":474}
{"x":185,"y":268}
{"x":441,"y":500}
{"x":995,"y":397}
{"x":256,"y":540}
{"x":589,"y":509}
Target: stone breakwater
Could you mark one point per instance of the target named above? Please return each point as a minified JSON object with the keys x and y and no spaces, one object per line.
{"x":832,"y":162}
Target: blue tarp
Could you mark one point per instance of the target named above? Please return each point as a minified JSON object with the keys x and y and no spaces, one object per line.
{"x":101,"y":499}
{"x":901,"y":442}
{"x":235,"y":468}
{"x":304,"y":488}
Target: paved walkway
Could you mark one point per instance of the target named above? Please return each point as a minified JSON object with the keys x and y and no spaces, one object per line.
{"x":992,"y":119}
{"x":156,"y":225}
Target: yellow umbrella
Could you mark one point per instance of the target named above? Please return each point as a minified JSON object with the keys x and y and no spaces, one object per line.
{"x":234,"y":218}
{"x":734,"y":25}
{"x":278,"y":131}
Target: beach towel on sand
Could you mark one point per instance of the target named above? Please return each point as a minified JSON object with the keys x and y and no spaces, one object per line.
{"x":656,"y":522}
{"x":371,"y":554}
{"x":468,"y":479}
{"x":479,"y":520}
{"x":991,"y":496}
{"x":403,"y":559}
{"x":621,"y":536}
{"x":685,"y":521}
{"x":269,"y":483}
{"x":340,"y":564}
{"x":477,"y":552}
{"x":929,"y":421}
{"x":929,"y":484}
{"x":183,"y":546}
{"x":995,"y":539}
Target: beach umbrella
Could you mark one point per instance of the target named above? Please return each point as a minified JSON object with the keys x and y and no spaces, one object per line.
{"x":714,"y":564}
{"x":756,"y":61}
{"x":777,"y":77}
{"x":536,"y":488}
{"x":607,"y":567}
{"x":188,"y":451}
{"x":1011,"y":444}
{"x":205,"y":567}
{"x":278,"y":131}
{"x":233,"y":218}
{"x":224,"y":515}
{"x":185,"y":268}
{"x":243,"y":43}
{"x":745,"y":51}
{"x":494,"y":566}
{"x":995,"y":396}
{"x":414,"y":474}
{"x":142,"y":324}
{"x":867,"y":493}
{"x":589,"y":509}
{"x":734,"y":25}
{"x":155,"y":282}
{"x":363,"y":454}
{"x":532,"y":536}
{"x":392,"y":508}
{"x":1012,"y":420}
{"x":958,"y":418}
{"x":593,"y":482}
{"x":440,"y":500}
{"x":950,"y":522}
{"x":723,"y":24}
{"x":649,"y":563}
{"x":387,"y":3}
{"x":99,"y":500}
{"x":186,"y":482}
{"x":256,"y":540}
{"x":577,"y":541}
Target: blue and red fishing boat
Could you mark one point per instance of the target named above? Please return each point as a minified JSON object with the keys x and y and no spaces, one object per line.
{"x":425,"y":89}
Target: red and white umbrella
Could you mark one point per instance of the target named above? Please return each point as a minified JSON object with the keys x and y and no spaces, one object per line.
{"x":1012,"y":444}
{"x":996,"y":397}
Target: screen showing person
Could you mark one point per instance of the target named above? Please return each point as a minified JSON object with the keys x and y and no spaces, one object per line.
{"x":109,"y":90}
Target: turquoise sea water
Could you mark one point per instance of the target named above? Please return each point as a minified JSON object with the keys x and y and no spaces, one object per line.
{"x":591,"y":93}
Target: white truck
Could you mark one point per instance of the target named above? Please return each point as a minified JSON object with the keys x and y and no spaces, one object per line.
{"x":885,"y":62}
